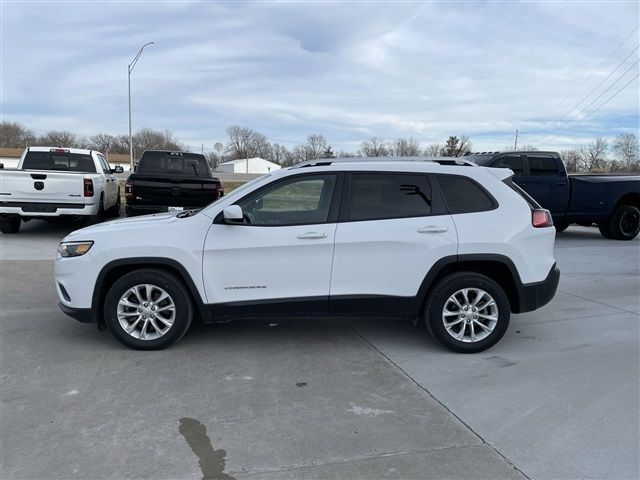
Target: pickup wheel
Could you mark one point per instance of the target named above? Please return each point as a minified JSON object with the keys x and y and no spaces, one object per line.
{"x":467,"y":312}
{"x":10,"y":223}
{"x":604,"y":230}
{"x":561,"y":227}
{"x":148,"y":309}
{"x":114,"y":211}
{"x":624,"y":224}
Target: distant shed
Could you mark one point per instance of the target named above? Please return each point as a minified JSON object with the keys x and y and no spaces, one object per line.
{"x":251,"y":165}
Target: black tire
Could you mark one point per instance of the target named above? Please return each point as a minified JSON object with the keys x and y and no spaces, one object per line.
{"x":439,"y":298}
{"x":178,"y":294}
{"x":604,"y":230}
{"x":624,"y":224}
{"x":561,"y":227}
{"x":10,"y":224}
{"x":114,"y":211}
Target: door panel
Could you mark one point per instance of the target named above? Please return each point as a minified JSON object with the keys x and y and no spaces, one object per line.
{"x":244,"y":263}
{"x":387,"y":243}
{"x":546,"y":183}
{"x":282,"y":255}
{"x":389,"y":257}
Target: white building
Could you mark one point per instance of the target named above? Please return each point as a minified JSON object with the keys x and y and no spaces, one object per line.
{"x":251,"y":165}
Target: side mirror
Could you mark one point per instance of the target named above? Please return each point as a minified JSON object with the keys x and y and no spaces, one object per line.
{"x":1,"y":165}
{"x":233,"y":215}
{"x":118,"y":169}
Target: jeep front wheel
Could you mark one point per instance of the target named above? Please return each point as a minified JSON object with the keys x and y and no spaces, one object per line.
{"x":148,"y":309}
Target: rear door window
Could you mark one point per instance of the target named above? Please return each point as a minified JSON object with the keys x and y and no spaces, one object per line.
{"x":463,"y":195}
{"x":59,"y":161}
{"x":514,"y":162}
{"x":378,"y":196}
{"x":542,"y":165}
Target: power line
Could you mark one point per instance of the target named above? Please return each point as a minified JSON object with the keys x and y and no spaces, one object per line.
{"x":587,"y":78}
{"x":559,"y":121}
{"x":597,"y":109}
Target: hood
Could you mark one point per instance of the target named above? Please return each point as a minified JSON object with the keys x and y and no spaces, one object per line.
{"x":144,"y":221}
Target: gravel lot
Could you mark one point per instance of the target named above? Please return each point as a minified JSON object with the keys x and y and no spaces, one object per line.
{"x":558,"y":397}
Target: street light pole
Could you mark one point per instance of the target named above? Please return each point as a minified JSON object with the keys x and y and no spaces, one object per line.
{"x":129,"y":70}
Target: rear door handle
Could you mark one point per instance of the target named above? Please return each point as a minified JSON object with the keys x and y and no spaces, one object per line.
{"x":561,"y":183}
{"x":433,"y":229}
{"x":312,"y":235}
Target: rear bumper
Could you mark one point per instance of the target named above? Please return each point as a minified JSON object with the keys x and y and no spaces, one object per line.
{"x":42,"y":209}
{"x":84,"y":315}
{"x":134,"y":210}
{"x":535,"y":295}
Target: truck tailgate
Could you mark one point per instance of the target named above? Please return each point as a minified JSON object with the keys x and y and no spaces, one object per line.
{"x":174,"y":191}
{"x":35,"y":186}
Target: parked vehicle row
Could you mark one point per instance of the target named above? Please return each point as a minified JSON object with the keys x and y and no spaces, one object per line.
{"x":455,"y":246}
{"x":52,"y":182}
{"x":611,"y":201}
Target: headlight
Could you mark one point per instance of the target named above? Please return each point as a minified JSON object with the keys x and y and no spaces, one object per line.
{"x":73,"y":249}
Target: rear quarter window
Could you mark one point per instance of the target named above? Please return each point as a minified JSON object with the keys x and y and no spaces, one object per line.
{"x":463,"y":195}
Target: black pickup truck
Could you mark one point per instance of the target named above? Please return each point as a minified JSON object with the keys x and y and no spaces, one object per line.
{"x":166,"y":181}
{"x":611,"y":201}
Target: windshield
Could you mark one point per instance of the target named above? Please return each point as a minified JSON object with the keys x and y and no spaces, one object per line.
{"x":174,"y":163}
{"x":61,"y":161}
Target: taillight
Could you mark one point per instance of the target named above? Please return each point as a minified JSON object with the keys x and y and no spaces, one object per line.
{"x":220,"y":191}
{"x":128,"y":191}
{"x":88,"y":187}
{"x":541,"y":218}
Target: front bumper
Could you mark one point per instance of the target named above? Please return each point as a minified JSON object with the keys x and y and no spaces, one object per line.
{"x":535,"y":295}
{"x":84,"y":315}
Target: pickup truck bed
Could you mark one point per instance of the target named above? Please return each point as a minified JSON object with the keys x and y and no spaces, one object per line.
{"x":611,"y":201}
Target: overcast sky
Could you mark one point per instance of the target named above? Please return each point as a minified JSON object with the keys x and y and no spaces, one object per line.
{"x":346,"y":70}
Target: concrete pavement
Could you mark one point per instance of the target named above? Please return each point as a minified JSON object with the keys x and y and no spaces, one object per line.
{"x":557,"y":397}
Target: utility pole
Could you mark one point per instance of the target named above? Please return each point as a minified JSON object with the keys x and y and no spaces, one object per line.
{"x":129,"y":70}
{"x":515,"y":144}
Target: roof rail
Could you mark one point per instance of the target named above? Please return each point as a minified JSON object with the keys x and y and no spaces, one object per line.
{"x":324,"y":162}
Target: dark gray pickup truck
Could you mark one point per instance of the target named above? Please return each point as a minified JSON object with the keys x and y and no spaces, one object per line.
{"x":167,"y":181}
{"x":611,"y":201}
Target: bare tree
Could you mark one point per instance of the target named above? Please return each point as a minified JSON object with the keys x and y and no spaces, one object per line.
{"x":627,"y":150}
{"x":59,"y":138}
{"x":343,"y":154}
{"x":526,"y":148}
{"x":573,"y":161}
{"x":404,"y":147}
{"x":103,"y":142}
{"x":245,"y":142}
{"x":433,"y":150}
{"x":594,"y":155}
{"x":14,"y":135}
{"x":149,"y":139}
{"x":374,"y":147}
{"x":279,"y":154}
{"x":314,"y":147}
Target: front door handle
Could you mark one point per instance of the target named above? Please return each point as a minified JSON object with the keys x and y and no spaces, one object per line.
{"x":433,"y":229}
{"x":312,"y":235}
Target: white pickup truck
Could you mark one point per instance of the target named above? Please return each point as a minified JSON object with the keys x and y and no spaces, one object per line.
{"x":53,"y":182}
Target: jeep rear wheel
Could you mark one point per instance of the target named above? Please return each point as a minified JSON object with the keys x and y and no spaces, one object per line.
{"x":467,"y":312}
{"x":148,"y":309}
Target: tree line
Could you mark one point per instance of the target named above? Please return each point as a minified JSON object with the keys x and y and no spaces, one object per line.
{"x":622,"y":154}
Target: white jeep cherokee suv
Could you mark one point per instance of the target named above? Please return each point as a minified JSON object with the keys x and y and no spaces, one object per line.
{"x":456,"y":245}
